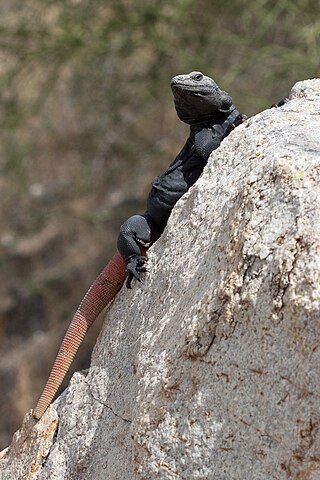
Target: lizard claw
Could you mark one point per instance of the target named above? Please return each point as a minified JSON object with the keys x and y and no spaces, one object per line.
{"x":136,"y":265}
{"x":240,"y":119}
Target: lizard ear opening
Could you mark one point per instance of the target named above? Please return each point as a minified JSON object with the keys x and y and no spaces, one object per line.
{"x":225,"y":102}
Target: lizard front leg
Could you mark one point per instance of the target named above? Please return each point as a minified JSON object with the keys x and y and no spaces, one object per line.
{"x":208,"y":139}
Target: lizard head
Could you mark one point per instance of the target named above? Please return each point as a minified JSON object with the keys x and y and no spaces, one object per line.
{"x":198,"y":98}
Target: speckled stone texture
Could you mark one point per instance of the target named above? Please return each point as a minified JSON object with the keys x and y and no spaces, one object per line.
{"x":210,"y":370}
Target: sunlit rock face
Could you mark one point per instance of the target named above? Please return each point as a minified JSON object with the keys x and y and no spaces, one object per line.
{"x":210,"y":369}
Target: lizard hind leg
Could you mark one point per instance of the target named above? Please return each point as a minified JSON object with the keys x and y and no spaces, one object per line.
{"x":133,"y":241}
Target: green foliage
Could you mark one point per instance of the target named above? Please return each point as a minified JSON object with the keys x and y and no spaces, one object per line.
{"x":252,"y":41}
{"x":107,"y":65}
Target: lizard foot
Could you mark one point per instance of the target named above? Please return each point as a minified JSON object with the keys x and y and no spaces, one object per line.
{"x":136,"y":265}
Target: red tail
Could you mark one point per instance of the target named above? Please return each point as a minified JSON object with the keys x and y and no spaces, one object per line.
{"x":101,"y":292}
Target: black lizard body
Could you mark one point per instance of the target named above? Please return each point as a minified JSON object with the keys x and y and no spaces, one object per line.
{"x":211,"y":115}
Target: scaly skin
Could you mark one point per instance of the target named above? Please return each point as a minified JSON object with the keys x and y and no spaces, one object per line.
{"x":211,"y":115}
{"x":101,"y":292}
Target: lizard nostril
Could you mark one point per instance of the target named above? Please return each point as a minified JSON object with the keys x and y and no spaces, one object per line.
{"x":196,"y":76}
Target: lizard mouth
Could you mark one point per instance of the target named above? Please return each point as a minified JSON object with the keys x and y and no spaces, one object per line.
{"x":191,"y":89}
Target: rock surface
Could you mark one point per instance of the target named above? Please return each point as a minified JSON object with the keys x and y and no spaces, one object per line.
{"x":211,"y":369}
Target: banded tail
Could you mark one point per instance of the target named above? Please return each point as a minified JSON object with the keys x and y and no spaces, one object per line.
{"x":101,"y":292}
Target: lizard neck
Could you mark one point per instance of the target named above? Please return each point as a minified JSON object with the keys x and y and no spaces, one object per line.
{"x":207,"y":121}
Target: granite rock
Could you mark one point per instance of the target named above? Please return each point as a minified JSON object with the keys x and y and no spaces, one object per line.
{"x":210,"y":369}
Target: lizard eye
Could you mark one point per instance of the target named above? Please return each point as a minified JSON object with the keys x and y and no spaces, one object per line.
{"x":198,"y":76}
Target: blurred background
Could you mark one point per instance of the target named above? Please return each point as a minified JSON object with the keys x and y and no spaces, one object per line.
{"x":87,"y":120}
